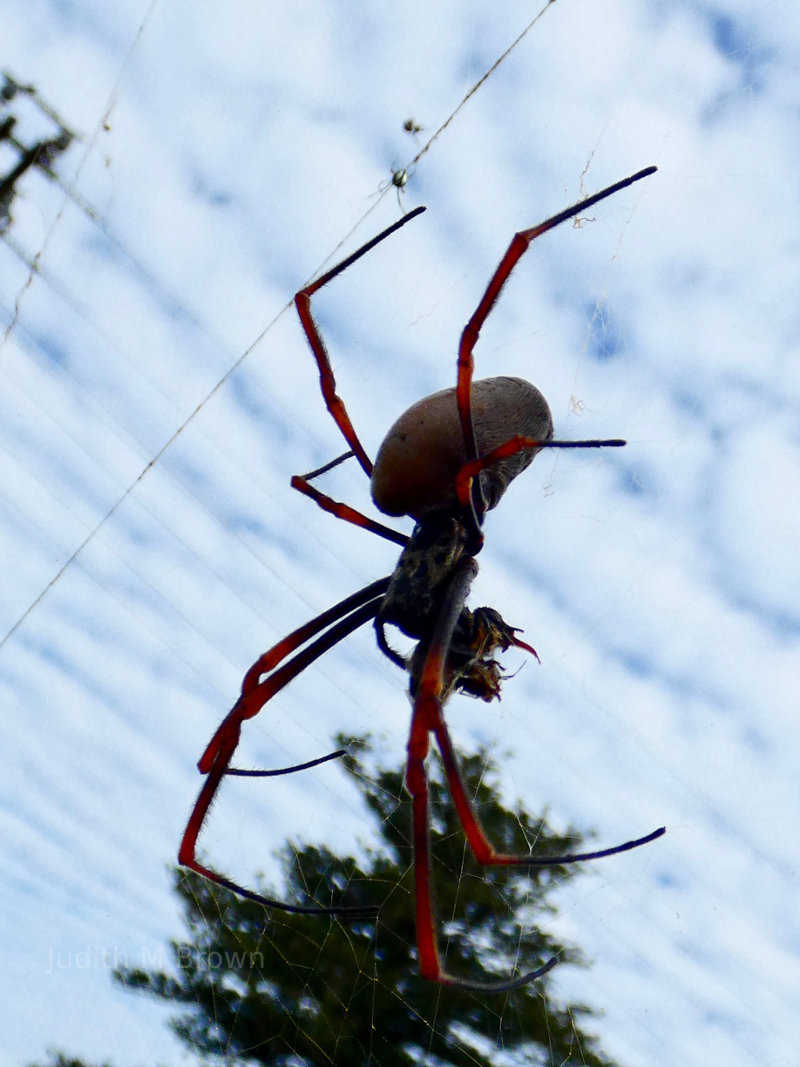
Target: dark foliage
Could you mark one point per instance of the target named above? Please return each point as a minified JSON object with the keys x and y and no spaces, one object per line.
{"x":290,"y":990}
{"x":60,"y":1059}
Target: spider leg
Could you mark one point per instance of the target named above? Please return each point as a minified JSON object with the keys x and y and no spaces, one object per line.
{"x":466,"y":477}
{"x":301,"y":482}
{"x":519,"y":245}
{"x":246,"y":707}
{"x":333,"y":402}
{"x":275,"y":655}
{"x":483,"y":851}
{"x":385,"y":647}
{"x":288,"y":770}
{"x":351,"y":613}
{"x":428,"y":719}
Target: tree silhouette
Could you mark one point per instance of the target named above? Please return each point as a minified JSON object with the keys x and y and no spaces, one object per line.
{"x":288,"y":990}
{"x":60,"y":1059}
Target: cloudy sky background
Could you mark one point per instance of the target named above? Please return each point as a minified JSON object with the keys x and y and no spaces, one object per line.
{"x":225,"y":153}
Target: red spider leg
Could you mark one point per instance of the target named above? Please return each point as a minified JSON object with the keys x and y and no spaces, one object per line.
{"x":480,"y":846}
{"x":275,"y":655}
{"x":215,"y":762}
{"x":464,"y":478}
{"x":482,"y":849}
{"x":427,"y":719}
{"x":519,"y":245}
{"x":334,"y":403}
{"x":301,"y":482}
{"x":244,"y":709}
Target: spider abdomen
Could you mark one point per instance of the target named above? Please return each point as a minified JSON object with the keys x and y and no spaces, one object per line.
{"x":417,"y":463}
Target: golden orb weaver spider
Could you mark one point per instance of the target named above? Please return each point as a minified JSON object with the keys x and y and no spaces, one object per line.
{"x":445,"y":462}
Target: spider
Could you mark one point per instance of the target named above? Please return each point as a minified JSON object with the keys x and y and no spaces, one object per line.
{"x":445,"y":462}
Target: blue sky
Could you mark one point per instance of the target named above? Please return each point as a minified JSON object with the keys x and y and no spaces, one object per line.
{"x":224,"y":156}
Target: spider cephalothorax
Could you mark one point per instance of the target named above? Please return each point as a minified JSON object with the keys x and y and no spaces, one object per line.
{"x":413,"y":602}
{"x":446,"y":461}
{"x":419,"y":580}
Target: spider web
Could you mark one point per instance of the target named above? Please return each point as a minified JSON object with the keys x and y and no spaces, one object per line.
{"x":157,"y":397}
